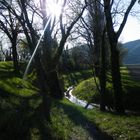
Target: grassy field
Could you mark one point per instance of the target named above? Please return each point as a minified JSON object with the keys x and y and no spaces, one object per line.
{"x":20,"y":117}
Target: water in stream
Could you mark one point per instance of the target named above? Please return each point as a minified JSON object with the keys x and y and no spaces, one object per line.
{"x":73,"y":99}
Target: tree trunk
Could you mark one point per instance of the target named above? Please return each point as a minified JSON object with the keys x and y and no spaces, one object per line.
{"x":53,"y":84}
{"x":116,"y":77}
{"x":42,"y":82}
{"x":46,"y":107}
{"x":113,"y":39}
{"x":15,"y":58}
{"x":103,"y":75}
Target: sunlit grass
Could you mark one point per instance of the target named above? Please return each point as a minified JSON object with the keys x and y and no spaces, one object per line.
{"x":10,"y":83}
{"x":119,"y":126}
{"x":17,"y":86}
{"x":87,"y":90}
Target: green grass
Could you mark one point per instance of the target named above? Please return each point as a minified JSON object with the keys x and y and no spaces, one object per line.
{"x":87,"y":90}
{"x":21,"y":117}
{"x":12,"y":84}
{"x":121,"y":127}
{"x":68,"y":121}
{"x":18,"y":102}
{"x":132,"y":90}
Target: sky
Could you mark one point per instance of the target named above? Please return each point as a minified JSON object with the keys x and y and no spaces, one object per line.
{"x":131,"y":30}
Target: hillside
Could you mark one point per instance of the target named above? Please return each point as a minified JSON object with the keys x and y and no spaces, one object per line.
{"x":133,"y":55}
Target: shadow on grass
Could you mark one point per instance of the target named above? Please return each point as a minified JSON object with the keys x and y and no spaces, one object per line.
{"x":79,"y":119}
{"x":19,"y":120}
{"x":6,"y":74}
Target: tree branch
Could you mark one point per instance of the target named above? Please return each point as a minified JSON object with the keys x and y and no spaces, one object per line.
{"x":65,"y":36}
{"x":125,"y":17}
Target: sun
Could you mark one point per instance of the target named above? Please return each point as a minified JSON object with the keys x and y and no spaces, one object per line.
{"x":54,"y":7}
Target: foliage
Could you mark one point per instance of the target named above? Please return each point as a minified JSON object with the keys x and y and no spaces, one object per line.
{"x":76,"y":58}
{"x":23,"y":50}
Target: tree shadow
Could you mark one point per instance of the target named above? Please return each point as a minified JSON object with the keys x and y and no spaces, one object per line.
{"x":79,"y":119}
{"x":18,"y":117}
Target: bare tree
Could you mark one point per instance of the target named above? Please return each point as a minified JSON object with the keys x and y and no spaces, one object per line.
{"x":97,"y":26}
{"x":10,"y":26}
{"x":113,"y":40}
{"x":94,"y":31}
{"x":49,"y":42}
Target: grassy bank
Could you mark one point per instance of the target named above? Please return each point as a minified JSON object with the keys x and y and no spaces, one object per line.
{"x":86,"y":90}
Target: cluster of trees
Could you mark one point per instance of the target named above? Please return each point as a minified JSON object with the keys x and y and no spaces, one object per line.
{"x":102,"y":37}
{"x":91,"y":20}
{"x":75,"y":58}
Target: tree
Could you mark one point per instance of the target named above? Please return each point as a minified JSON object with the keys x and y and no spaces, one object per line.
{"x":10,"y":26}
{"x":95,"y":34}
{"x":51,"y":65}
{"x":99,"y":37}
{"x":122,"y":52}
{"x":23,"y":49}
{"x":113,"y":40}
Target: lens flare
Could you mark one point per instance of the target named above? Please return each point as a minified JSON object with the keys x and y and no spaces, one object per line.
{"x":53,"y":7}
{"x":31,"y":59}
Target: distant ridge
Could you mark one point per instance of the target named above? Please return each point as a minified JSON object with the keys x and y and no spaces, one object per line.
{"x":133,"y":55}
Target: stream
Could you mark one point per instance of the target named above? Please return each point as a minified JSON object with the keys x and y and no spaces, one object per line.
{"x":73,"y":99}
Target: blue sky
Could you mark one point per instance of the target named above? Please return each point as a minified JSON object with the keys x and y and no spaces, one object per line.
{"x":131,"y":30}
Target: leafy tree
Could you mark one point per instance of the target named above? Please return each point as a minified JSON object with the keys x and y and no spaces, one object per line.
{"x":80,"y":56}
